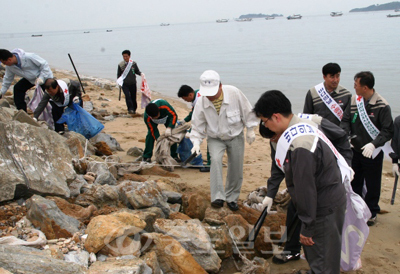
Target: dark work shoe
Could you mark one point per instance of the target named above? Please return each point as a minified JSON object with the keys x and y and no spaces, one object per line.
{"x":233,"y":206}
{"x":178,"y":160}
{"x":147,"y":160}
{"x":205,"y":169}
{"x":218,"y":203}
{"x":131,"y":111}
{"x":283,"y":258}
{"x":371,"y":221}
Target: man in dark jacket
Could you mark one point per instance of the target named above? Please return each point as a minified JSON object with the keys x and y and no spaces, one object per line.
{"x":60,"y":93}
{"x":128,"y":80}
{"x":313,"y":179}
{"x":369,"y":119}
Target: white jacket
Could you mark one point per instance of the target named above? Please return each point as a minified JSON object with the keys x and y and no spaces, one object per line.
{"x":32,"y":67}
{"x":236,"y":113}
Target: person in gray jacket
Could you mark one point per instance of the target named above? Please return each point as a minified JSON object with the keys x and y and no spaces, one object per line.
{"x":33,"y":69}
{"x":313,"y":179}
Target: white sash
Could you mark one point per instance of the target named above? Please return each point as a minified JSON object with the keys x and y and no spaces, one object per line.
{"x":65,"y":91}
{"x":371,"y":129}
{"x":332,"y":105}
{"x":120,"y":80}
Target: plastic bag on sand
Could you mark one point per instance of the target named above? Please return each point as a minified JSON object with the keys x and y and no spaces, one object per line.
{"x":184,"y":151}
{"x":81,"y":121}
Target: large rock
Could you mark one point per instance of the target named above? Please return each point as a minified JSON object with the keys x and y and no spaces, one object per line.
{"x":142,"y":195}
{"x":52,"y":221}
{"x":33,"y":160}
{"x":104,"y":176}
{"x":151,"y":260}
{"x":111,"y":141}
{"x":19,"y":259}
{"x":76,"y":211}
{"x":194,"y":238}
{"x":134,"y":266}
{"x":104,"y":229}
{"x":221,"y":240}
{"x":195,"y":205}
{"x":172,"y":257}
{"x":99,"y":195}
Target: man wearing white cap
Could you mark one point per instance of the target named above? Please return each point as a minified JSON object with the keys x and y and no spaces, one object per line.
{"x":221,"y":114}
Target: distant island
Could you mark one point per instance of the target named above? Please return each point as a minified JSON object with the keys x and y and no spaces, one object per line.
{"x":387,"y":6}
{"x":260,"y":15}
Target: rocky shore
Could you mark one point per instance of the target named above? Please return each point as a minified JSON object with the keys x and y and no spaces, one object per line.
{"x":71,"y":205}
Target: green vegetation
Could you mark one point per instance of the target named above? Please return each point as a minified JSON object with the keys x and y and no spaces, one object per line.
{"x":387,"y":6}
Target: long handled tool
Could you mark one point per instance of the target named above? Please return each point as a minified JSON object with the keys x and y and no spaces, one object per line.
{"x":396,"y":178}
{"x":189,"y":159}
{"x":72,"y":62}
{"x":119,"y":98}
{"x":257,"y":226}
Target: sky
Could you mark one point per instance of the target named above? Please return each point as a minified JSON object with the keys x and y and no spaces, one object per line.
{"x":20,"y":16}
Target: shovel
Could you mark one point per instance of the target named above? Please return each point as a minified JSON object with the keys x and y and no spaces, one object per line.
{"x":189,"y":159}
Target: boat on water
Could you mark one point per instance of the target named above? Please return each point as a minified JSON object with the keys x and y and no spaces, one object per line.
{"x":336,"y":13}
{"x":243,"y":19}
{"x":86,"y":32}
{"x":37,"y":35}
{"x":393,"y":15}
{"x":294,"y":16}
{"x":109,"y":30}
{"x":269,"y":17}
{"x":222,"y":20}
{"x":164,"y":24}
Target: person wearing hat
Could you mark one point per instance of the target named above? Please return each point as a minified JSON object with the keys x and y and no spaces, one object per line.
{"x":60,"y":93}
{"x":221,"y":114}
{"x":32,"y":68}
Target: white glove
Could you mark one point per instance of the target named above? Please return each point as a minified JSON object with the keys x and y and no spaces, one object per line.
{"x":142,"y":74}
{"x":38,"y":81}
{"x":368,"y":149}
{"x":250,"y":136}
{"x":395,"y":170}
{"x":196,"y":148}
{"x":168,"y":132}
{"x":187,"y":135}
{"x":76,"y":100}
{"x":34,"y":119}
{"x":267,"y":202}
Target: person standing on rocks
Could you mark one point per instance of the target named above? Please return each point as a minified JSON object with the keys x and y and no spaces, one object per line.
{"x":158,"y":112}
{"x":60,"y":93}
{"x":33,"y":69}
{"x":190,"y":95}
{"x":313,"y":178}
{"x":126,"y":74}
{"x":328,"y":99}
{"x":221,"y":114}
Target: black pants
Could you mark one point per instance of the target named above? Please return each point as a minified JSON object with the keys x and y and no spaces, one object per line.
{"x":130,"y":96}
{"x":369,"y":170}
{"x":57,"y":112}
{"x":293,"y":225}
{"x":20,"y":90}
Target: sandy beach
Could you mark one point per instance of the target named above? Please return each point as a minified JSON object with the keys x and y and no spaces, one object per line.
{"x":381,"y":252}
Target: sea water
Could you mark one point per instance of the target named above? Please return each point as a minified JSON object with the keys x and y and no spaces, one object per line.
{"x":255,"y":56}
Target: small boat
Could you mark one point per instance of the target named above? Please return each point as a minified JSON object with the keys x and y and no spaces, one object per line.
{"x":269,"y":17}
{"x":336,"y":13}
{"x":37,"y":35}
{"x":294,"y":16}
{"x":243,"y":19}
{"x":86,"y":32}
{"x":164,"y":24}
{"x":393,"y":15}
{"x":109,"y":30}
{"x":222,"y":20}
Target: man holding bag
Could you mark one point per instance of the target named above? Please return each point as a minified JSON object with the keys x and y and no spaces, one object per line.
{"x":60,"y":94}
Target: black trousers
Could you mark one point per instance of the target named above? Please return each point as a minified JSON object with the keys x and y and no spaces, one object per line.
{"x":20,"y":90}
{"x":293,"y":224}
{"x":57,"y":112}
{"x":130,"y":96}
{"x":369,"y":170}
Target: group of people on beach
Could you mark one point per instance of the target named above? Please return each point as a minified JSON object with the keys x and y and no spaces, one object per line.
{"x":339,"y":140}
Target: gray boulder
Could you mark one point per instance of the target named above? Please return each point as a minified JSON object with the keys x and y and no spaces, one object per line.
{"x":33,"y":160}
{"x":111,"y":141}
{"x":104,"y":176}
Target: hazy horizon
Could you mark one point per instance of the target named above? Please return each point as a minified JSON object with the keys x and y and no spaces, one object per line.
{"x":56,"y":15}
